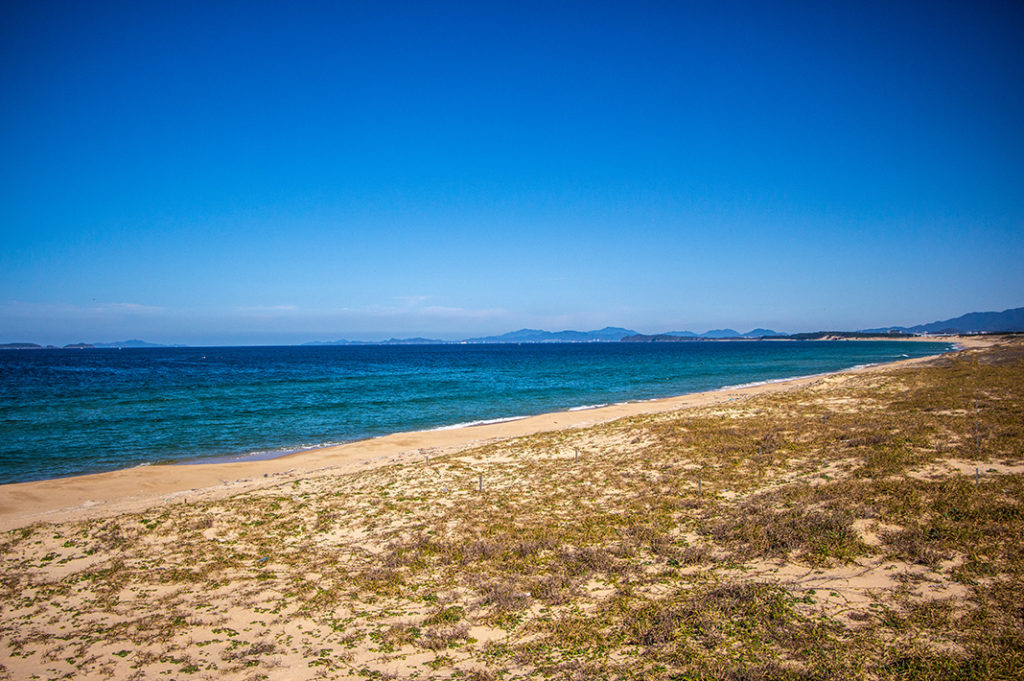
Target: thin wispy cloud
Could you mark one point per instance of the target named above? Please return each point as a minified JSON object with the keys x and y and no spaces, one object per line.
{"x":129,"y":308}
{"x":413,"y":308}
{"x":22,"y":309}
{"x":413,"y":301}
{"x":267,"y":309}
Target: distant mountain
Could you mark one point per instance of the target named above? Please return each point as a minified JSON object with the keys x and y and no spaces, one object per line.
{"x":414,"y":341}
{"x":85,"y":346}
{"x":607,"y":334}
{"x":972,"y":322}
{"x":340,"y":341}
{"x":661,"y":338}
{"x":20,"y":346}
{"x":390,"y":341}
{"x":840,"y":335}
{"x":721,"y":333}
{"x":724,"y":333}
{"x":1011,"y":320}
{"x":134,"y":343}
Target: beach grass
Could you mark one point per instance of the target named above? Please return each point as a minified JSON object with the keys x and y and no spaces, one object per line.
{"x":867,"y":526}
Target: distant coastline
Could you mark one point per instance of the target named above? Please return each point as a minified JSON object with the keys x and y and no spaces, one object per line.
{"x":636,"y":338}
{"x":116,"y":345}
{"x":972,"y":323}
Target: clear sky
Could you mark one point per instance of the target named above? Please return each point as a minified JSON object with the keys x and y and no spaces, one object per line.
{"x":221,"y":172}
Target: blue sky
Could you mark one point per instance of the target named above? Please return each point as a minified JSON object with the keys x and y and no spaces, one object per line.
{"x":223,"y":172}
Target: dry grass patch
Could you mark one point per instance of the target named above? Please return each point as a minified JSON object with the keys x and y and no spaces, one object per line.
{"x":823,"y":533}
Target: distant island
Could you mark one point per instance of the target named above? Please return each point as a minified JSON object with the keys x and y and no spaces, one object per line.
{"x":973,"y":322}
{"x":609,"y":334}
{"x":1007,"y":321}
{"x":814,"y":335}
{"x":87,"y":346}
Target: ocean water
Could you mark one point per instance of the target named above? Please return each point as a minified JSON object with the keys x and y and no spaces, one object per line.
{"x":68,"y":412}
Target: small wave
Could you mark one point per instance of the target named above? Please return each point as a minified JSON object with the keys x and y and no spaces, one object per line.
{"x":481,"y":422}
{"x":584,"y":407}
{"x":255,"y":455}
{"x":769,"y":381}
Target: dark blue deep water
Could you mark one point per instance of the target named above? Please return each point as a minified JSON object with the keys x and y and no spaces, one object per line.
{"x":66,"y":412}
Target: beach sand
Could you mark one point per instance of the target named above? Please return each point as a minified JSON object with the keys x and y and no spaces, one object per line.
{"x":866,"y":524}
{"x":135,"y":489}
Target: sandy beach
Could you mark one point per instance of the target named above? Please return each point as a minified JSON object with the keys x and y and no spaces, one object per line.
{"x":860,"y":524}
{"x":512,"y":342}
{"x":135,"y":489}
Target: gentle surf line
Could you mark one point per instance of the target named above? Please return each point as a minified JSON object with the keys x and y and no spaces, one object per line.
{"x":269,"y":455}
{"x":142,"y":487}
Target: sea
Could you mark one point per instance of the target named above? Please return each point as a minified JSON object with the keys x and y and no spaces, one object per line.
{"x":71,"y":412}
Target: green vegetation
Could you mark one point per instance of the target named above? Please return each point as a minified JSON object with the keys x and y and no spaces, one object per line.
{"x":839,"y":531}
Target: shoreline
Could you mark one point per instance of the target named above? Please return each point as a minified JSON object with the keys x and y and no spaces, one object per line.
{"x":141,"y":487}
{"x":268,"y":455}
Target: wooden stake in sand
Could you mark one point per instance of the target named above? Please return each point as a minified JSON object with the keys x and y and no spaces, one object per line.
{"x":698,"y":486}
{"x":977,"y":427}
{"x":480,"y":483}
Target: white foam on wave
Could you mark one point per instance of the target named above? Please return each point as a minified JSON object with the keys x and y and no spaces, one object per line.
{"x":267,"y":454}
{"x":259,"y":454}
{"x":769,"y":381}
{"x":481,"y":422}
{"x":584,"y":407}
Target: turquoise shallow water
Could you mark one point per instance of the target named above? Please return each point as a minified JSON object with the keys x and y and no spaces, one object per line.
{"x":67,"y":412}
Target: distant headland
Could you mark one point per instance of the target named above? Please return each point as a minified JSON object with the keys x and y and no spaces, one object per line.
{"x":1007,"y":321}
{"x":84,"y":346}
